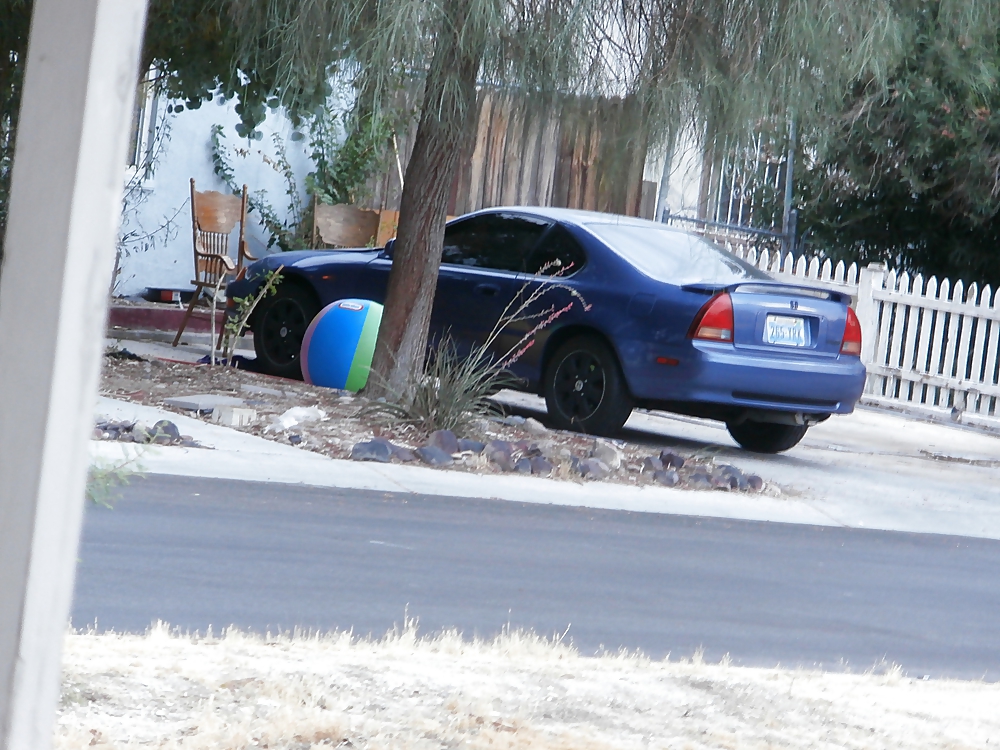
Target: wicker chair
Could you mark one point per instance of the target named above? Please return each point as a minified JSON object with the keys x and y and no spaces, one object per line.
{"x":214,"y":215}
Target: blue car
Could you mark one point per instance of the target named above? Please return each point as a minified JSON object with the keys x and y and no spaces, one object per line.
{"x":657,"y":318}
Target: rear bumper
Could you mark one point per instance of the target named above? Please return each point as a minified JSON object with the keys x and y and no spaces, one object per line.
{"x":723,"y":376}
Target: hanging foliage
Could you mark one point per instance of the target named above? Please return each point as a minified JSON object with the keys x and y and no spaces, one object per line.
{"x":724,"y":63}
{"x":347,"y":150}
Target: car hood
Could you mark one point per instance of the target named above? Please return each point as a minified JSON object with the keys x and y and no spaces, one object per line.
{"x":307,"y":259}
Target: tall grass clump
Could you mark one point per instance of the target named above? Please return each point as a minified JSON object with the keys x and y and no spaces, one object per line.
{"x":454,"y":391}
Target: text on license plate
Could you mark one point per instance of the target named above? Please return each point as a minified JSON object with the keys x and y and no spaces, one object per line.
{"x":785,"y":330}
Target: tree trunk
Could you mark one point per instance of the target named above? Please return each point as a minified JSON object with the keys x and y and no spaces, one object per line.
{"x":446,"y":114}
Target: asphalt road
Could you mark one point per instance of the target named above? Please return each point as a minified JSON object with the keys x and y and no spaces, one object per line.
{"x":199,"y":553}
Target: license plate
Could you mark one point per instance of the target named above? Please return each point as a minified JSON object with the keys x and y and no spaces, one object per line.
{"x":785,"y":330}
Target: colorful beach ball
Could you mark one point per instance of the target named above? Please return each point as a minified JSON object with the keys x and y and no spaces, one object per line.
{"x":339,"y":343}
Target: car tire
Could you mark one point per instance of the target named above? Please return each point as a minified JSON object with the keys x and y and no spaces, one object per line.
{"x":766,"y":437}
{"x":280,"y":323}
{"x":585,"y":389}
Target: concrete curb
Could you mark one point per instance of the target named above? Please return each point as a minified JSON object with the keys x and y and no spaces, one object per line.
{"x":838,"y":477}
{"x":162,"y":318}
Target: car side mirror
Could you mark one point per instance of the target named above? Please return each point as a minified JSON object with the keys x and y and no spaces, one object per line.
{"x":389,"y":247}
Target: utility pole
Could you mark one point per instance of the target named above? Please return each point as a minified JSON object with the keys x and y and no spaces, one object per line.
{"x":65,"y":205}
{"x":789,"y":215}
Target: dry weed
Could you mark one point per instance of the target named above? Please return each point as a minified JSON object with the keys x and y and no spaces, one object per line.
{"x":518,"y":690}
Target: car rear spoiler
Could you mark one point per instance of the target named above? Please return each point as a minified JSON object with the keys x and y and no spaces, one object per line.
{"x":769,"y":287}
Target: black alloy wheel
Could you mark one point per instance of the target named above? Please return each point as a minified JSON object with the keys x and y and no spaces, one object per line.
{"x":766,"y":437}
{"x":585,"y":389}
{"x":279,"y":327}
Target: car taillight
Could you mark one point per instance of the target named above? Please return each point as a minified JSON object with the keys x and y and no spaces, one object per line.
{"x":852,"y":335}
{"x":714,"y":321}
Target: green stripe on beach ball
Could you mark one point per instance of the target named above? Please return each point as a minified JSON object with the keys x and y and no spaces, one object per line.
{"x":361,"y":365}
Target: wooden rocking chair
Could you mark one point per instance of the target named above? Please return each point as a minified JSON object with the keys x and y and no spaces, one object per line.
{"x":213,"y":218}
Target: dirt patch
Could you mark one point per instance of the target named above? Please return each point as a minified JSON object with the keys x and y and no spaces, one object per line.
{"x":569,"y":455}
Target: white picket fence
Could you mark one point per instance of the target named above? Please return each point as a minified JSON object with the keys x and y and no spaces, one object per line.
{"x":930,"y":345}
{"x":931,"y":348}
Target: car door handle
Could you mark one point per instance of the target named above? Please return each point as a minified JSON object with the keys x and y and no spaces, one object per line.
{"x":487,"y":290}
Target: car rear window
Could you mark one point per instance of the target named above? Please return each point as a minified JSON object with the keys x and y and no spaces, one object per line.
{"x":675,"y":257}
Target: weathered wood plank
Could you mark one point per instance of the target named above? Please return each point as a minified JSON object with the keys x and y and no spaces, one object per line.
{"x":346,"y":226}
{"x":479,"y":154}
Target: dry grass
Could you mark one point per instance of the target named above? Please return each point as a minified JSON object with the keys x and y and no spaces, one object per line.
{"x":164,"y":690}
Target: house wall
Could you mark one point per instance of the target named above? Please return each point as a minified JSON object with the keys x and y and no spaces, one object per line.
{"x":157,"y":220}
{"x":541,"y":160}
{"x":678,"y":173}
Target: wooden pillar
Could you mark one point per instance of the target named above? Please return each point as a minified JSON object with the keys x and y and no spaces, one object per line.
{"x":65,"y":204}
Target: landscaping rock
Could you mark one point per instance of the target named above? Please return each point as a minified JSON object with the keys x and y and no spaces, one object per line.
{"x":700,"y":481}
{"x":501,"y":453}
{"x":730,"y":477}
{"x":404,"y":454}
{"x":523,"y":466}
{"x":610,"y":455}
{"x":652,"y":463}
{"x":372,"y":450}
{"x":532,"y":451}
{"x":387,"y":443}
{"x":541,"y":466}
{"x":141,"y":433}
{"x":396,"y":451}
{"x":445,"y":440}
{"x":671,"y":460}
{"x":165,"y":431}
{"x":294,"y":438}
{"x":434,"y":456}
{"x":755,"y":483}
{"x":514,"y":420}
{"x":667,"y":477}
{"x":593,"y":468}
{"x":470,"y":445}
{"x":535,"y":427}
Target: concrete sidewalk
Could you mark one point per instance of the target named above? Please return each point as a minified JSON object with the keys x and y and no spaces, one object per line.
{"x":926,"y":478}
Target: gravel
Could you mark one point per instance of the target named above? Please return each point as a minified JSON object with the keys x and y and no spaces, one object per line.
{"x":330,"y":422}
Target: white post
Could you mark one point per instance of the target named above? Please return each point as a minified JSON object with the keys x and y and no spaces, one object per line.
{"x":69,"y":165}
{"x":872,"y":278}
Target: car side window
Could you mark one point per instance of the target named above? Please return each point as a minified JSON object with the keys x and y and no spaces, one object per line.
{"x":559,"y":254}
{"x":497,"y":241}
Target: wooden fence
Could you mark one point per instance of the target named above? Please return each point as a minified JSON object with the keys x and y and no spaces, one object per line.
{"x":570,"y":153}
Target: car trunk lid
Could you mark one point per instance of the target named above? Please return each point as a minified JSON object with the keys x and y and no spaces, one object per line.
{"x":784,"y":318}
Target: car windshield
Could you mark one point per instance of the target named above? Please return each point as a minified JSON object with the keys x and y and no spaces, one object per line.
{"x":675,"y":257}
